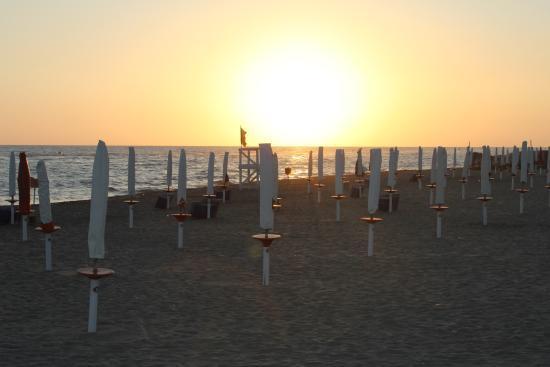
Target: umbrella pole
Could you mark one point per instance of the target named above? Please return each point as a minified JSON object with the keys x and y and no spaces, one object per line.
{"x":531,"y":181}
{"x":131,"y":216}
{"x":513,"y":182}
{"x":48,"y":250}
{"x":463,"y":191}
{"x":24,"y":225}
{"x":223,"y":196}
{"x":521,"y":203}
{"x":319,"y":195}
{"x":431,"y":196}
{"x":12,"y":202}
{"x":208,"y":205}
{"x":265,"y":266}
{"x":309,"y":185}
{"x":484,"y":213}
{"x":370,"y":248}
{"x":438,"y":229}
{"x":390,"y":209}
{"x":92,"y":312}
{"x":337,"y":210}
{"x":180,"y":234}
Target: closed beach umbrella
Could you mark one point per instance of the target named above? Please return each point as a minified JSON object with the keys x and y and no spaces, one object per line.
{"x":266,"y":187}
{"x":420,"y":152}
{"x":310,"y":164}
{"x":339,"y":170}
{"x":320,"y":165}
{"x":224,"y":169}
{"x":24,"y":185}
{"x":169,"y":169}
{"x":454,"y":158}
{"x":182,"y":177}
{"x":523,"y":164}
{"x":131,"y":171}
{"x":485,"y":168}
{"x":44,"y":193}
{"x":465,"y":166}
{"x":433,"y":171}
{"x":12,"y":175}
{"x":359,"y":169}
{"x":374,"y":180}
{"x":275,"y":176}
{"x":98,"y":203}
{"x":392,"y":169}
{"x":440,"y":179}
{"x":210,"y":186}
{"x":515,"y":160}
{"x":531,"y":168}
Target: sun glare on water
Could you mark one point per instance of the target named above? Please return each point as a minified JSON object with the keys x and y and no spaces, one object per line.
{"x":299,"y":95}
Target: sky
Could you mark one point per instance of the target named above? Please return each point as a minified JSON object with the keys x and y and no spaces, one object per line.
{"x":338,"y":73}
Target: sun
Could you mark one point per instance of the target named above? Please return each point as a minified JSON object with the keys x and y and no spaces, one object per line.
{"x":299,"y":95}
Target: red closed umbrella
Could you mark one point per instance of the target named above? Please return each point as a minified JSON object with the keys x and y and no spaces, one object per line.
{"x":24,"y":185}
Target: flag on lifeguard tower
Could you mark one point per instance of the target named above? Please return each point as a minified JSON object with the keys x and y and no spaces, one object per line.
{"x":243,"y":137}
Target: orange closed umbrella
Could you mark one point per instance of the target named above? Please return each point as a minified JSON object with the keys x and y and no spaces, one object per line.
{"x":24,"y":185}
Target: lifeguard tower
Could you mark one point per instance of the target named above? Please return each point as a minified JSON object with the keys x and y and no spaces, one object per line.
{"x":248,"y":162}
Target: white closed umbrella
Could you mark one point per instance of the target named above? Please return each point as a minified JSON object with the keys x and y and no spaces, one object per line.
{"x":96,"y":229}
{"x":169,"y":170}
{"x":44,"y":193}
{"x":531,"y":166}
{"x":420,"y":163}
{"x":464,"y":177}
{"x":392,"y":167}
{"x":374,"y":196}
{"x":169,"y":179}
{"x":98,"y":203}
{"x":182,"y":177}
{"x":433,"y":176}
{"x":454,"y":161}
{"x":45,"y":211}
{"x":433,"y":171}
{"x":441,"y":184}
{"x":309,"y":171}
{"x":267,"y":194}
{"x":524,"y":163}
{"x":319,"y":184}
{"x":485,"y":168}
{"x":210,"y":176}
{"x":131,"y":171}
{"x":131,"y":185}
{"x":11,"y":185}
{"x":266,"y":187}
{"x":514,"y":164}
{"x":210,"y":185}
{"x":374,"y":180}
{"x":440,"y":179}
{"x":485,"y":182}
{"x":339,"y":162}
{"x":275,"y":176}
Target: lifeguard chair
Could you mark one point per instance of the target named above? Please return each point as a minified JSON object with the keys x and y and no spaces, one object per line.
{"x":248,"y":162}
{"x":248,"y":165}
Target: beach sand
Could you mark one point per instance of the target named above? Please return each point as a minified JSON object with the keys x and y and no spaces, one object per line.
{"x":478,"y":296}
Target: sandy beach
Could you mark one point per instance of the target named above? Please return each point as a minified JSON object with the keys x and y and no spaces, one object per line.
{"x":477,"y":297}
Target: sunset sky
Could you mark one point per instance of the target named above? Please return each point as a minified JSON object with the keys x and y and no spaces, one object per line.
{"x":348,"y":73}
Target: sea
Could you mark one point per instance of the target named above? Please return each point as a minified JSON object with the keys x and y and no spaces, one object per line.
{"x":70,"y":167}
